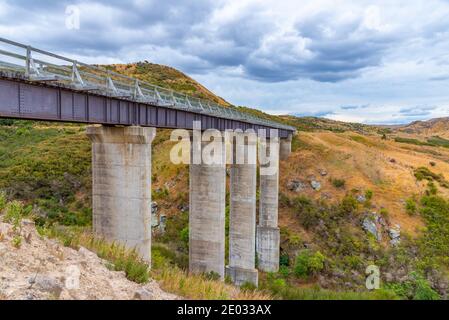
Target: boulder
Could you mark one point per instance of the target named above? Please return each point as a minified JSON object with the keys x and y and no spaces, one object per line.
{"x":296,"y":185}
{"x":395,"y":235}
{"x":143,"y":294}
{"x":323,"y":172}
{"x":48,"y":284}
{"x":183,"y":207}
{"x":154,"y":207}
{"x":162,"y":223}
{"x":370,"y":226}
{"x":315,"y":185}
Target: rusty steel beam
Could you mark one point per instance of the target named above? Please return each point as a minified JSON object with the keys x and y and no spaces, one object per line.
{"x":24,"y":99}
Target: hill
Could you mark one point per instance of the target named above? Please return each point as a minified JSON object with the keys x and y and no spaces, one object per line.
{"x":432,"y":127}
{"x":351,"y":195}
{"x":166,"y":77}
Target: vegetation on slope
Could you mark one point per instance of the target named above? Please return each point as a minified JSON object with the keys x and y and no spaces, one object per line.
{"x":166,"y":77}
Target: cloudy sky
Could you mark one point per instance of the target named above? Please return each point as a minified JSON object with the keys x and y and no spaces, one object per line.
{"x":365,"y":61}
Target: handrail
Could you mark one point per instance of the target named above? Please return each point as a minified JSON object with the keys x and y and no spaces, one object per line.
{"x":92,"y":77}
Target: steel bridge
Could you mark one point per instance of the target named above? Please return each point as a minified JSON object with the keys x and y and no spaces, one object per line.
{"x":40,"y":85}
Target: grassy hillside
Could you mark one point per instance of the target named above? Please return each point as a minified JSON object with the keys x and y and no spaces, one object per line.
{"x":391,"y":178}
{"x":167,"y":77}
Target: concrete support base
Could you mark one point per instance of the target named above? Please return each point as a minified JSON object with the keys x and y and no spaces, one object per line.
{"x":240,"y":276}
{"x":207,"y":217}
{"x":268,"y":242}
{"x":285,"y":147}
{"x":242,"y":224}
{"x":268,"y":239}
{"x":121,"y":188}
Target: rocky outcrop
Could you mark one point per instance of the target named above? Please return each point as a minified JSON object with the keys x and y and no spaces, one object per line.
{"x":42,"y":268}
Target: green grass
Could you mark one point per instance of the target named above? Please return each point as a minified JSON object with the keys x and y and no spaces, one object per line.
{"x":435,"y":141}
{"x":281,"y":290}
{"x":338,"y":183}
{"x":411,"y":141}
{"x":438,"y":141}
{"x":434,"y":245}
{"x":48,"y":167}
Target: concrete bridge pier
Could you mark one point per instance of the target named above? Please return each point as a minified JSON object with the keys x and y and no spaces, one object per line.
{"x":268,"y":235}
{"x":121,"y":186}
{"x":242,"y":226}
{"x":285,"y":147}
{"x":207,"y":213}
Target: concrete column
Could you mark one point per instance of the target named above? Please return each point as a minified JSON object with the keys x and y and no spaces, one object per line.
{"x":268,"y":236}
{"x":242,"y":224}
{"x":285,"y":147}
{"x":207,"y":215}
{"x":121,"y":187}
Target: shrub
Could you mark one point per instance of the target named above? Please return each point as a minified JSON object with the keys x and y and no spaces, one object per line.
{"x":423,"y":290}
{"x":160,"y":193}
{"x":284,"y":200}
{"x":13,"y":214}
{"x":284,"y":260}
{"x":369,"y":194}
{"x":184,"y":235}
{"x":431,"y":188}
{"x":338,"y":183}
{"x":3,"y":200}
{"x":307,"y":211}
{"x":348,"y":204}
{"x":410,"y":206}
{"x":384,"y":213}
{"x":423,"y":173}
{"x":416,"y":287}
{"x":284,"y":271}
{"x":309,"y":263}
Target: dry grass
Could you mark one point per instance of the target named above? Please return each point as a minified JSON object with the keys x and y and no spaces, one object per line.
{"x":365,"y":163}
{"x":198,"y":287}
{"x":171,"y":279}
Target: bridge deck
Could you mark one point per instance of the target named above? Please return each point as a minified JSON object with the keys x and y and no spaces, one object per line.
{"x":32,"y":88}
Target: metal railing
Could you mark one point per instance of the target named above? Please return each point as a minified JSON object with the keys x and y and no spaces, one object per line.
{"x":43,"y":66}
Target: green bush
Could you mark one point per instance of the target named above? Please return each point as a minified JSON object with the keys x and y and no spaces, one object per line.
{"x":3,"y":200}
{"x":415,"y":288}
{"x":348,"y":204}
{"x":423,"y":173}
{"x":369,"y":194}
{"x":384,"y":213}
{"x":184,"y":235}
{"x":309,"y":263}
{"x":308,"y":212}
{"x":338,"y":183}
{"x":14,"y":212}
{"x":284,"y":260}
{"x":284,"y":271}
{"x":431,"y":188}
{"x":434,"y":244}
{"x":410,"y":206}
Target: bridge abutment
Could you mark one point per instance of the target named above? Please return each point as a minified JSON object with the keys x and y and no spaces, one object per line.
{"x":121,"y":185}
{"x":268,"y":235}
{"x":207,"y":213}
{"x":242,"y":226}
